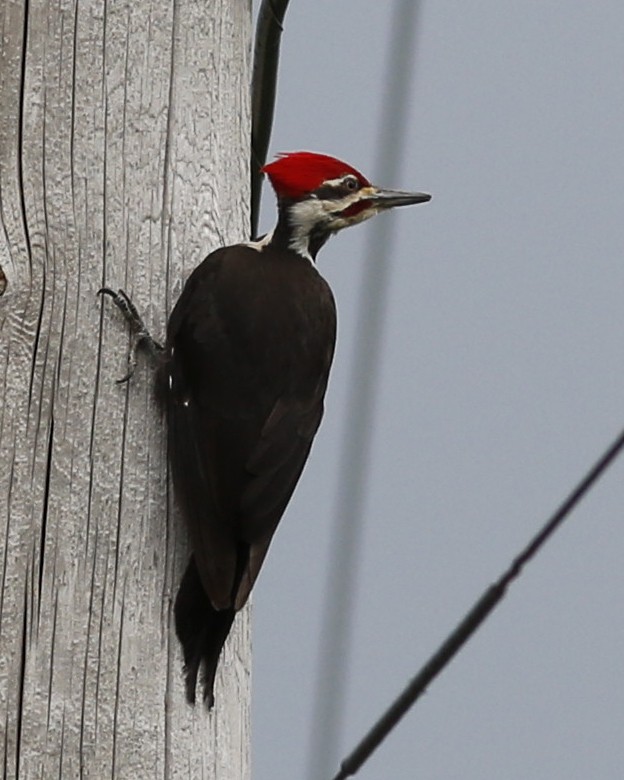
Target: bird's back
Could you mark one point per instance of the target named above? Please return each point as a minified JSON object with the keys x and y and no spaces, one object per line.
{"x":249,"y":347}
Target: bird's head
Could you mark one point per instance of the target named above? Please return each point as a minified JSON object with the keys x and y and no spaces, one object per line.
{"x":319,"y":195}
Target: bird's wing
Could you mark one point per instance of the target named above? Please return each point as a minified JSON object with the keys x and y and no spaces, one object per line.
{"x":274,"y":468}
{"x":191,"y":444}
{"x":238,"y":439}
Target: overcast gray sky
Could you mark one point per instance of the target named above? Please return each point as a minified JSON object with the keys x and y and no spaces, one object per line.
{"x":502,"y":381}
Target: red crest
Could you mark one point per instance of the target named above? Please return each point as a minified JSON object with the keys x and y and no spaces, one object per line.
{"x":295,"y":174}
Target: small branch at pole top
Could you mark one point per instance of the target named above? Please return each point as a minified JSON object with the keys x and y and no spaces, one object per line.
{"x":471,"y":622}
{"x":266,"y":61}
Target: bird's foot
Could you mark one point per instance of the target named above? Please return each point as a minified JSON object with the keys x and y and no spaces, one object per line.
{"x":140,"y":337}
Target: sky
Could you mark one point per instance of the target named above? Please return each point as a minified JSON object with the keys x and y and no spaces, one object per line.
{"x":501,"y":382}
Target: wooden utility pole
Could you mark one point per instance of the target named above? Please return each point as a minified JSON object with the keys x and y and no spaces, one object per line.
{"x":124,"y":160}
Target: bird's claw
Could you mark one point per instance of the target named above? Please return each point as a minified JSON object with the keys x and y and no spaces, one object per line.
{"x":140,"y":336}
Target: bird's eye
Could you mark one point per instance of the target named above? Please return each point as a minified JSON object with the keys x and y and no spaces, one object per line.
{"x":350,"y":182}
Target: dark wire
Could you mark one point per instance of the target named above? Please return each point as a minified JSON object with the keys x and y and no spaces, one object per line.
{"x":347,"y":531}
{"x":472,"y":620}
{"x":263,"y":88}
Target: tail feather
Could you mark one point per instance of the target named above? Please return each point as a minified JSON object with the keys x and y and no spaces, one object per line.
{"x":202,"y":631}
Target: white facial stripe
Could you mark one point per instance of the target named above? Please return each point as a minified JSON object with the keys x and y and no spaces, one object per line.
{"x":335,"y":207}
{"x":334,"y":182}
{"x":311,"y":214}
{"x":315,"y":214}
{"x":305,"y":216}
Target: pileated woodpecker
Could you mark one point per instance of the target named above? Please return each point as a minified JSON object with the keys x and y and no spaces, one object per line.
{"x":242,"y":378}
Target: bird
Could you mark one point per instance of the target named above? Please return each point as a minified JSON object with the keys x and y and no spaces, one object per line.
{"x":242,"y":379}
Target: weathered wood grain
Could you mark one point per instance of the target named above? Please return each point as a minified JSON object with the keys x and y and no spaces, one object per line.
{"x":124,"y":138}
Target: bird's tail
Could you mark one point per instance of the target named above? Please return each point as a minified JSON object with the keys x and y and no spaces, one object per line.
{"x":202,"y":631}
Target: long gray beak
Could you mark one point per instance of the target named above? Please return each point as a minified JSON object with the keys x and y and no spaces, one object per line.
{"x":388,"y":199}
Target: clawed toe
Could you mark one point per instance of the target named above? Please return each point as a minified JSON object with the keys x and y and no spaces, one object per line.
{"x":126,"y":307}
{"x":140,"y":335}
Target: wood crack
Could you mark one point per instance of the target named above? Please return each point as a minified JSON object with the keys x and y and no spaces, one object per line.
{"x":20,"y":132}
{"x":44,"y":514}
{"x":21,"y":679}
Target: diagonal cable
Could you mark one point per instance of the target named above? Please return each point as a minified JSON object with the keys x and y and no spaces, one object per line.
{"x":473,"y":619}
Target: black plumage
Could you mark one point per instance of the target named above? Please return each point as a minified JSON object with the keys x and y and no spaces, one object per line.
{"x":249,"y":347}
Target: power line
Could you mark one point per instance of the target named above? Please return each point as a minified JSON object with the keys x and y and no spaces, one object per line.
{"x":266,"y":61}
{"x":356,"y":446}
{"x":474,"y":618}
